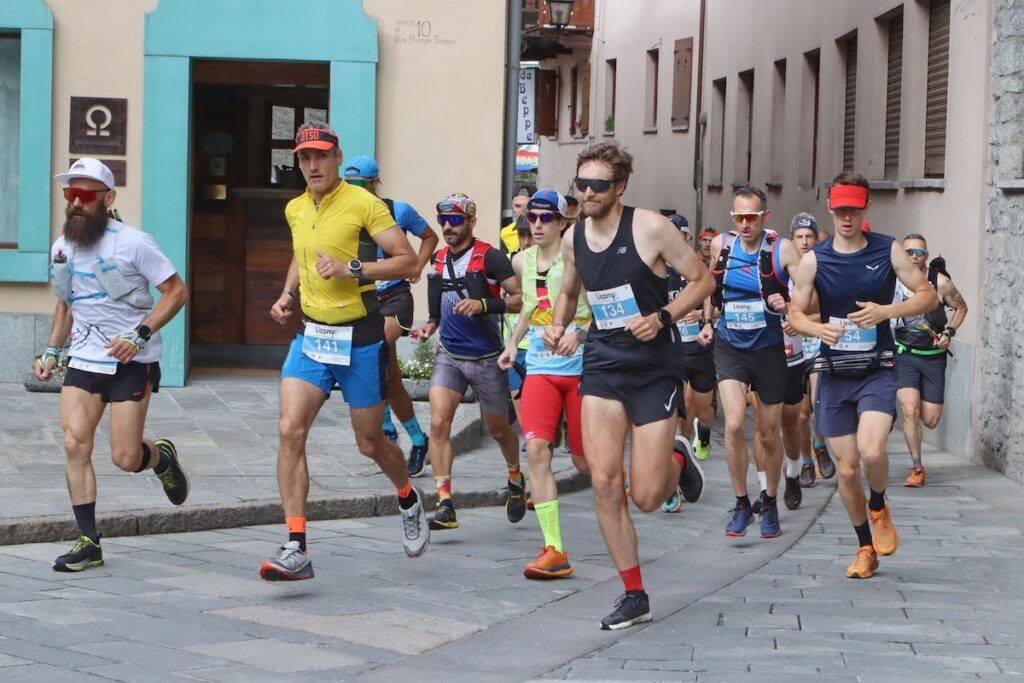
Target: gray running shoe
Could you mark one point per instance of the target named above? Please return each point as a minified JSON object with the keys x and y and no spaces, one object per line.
{"x":291,"y":564}
{"x":415,"y":527}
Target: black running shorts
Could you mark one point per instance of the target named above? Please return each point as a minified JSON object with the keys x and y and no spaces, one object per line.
{"x":764,"y":370}
{"x":132,"y":382}
{"x":396,"y":302}
{"x":646,"y":397}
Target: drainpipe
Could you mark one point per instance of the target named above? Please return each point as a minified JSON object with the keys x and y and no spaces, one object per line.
{"x":513,"y":38}
{"x":702,"y":122}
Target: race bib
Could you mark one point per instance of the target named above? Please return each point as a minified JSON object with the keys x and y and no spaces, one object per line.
{"x":100,"y":367}
{"x":811,"y":345}
{"x":327,"y":344}
{"x":744,"y":315}
{"x":613,"y":308}
{"x":855,"y":338}
{"x":688,"y":331}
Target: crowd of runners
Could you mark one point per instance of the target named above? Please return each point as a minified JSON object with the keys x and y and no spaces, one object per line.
{"x":592,"y":325}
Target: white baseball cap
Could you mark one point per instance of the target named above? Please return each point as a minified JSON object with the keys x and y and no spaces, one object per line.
{"x":87,"y":167}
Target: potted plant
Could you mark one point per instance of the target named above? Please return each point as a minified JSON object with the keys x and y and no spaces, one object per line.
{"x":609,"y":124}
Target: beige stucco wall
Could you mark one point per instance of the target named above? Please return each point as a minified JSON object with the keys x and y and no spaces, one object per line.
{"x":439,"y":104}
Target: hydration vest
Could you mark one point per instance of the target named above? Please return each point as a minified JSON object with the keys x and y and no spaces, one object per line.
{"x":475,"y":267}
{"x":770,"y":280}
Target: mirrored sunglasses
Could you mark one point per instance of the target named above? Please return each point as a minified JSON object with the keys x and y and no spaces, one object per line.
{"x":542,"y":217}
{"x":915,"y":251}
{"x":81,"y":194}
{"x":595,"y":184}
{"x":453,"y":220}
{"x":749,"y":217}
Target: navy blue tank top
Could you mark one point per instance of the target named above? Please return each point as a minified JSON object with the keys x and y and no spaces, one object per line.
{"x":618,"y":265}
{"x":843,"y":279}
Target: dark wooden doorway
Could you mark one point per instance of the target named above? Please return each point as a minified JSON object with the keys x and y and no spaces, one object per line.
{"x":244,"y":118}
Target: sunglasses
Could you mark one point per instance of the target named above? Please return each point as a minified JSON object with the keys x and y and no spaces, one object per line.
{"x":451,"y":219}
{"x":748,"y":217}
{"x":595,"y":184}
{"x":81,"y":194}
{"x":542,"y":217}
{"x":914,"y":251}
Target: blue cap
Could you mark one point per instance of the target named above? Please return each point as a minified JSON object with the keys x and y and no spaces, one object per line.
{"x":552,"y":200}
{"x":361,"y":167}
{"x":680,"y":222}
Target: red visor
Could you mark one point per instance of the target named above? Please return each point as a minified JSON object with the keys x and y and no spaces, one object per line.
{"x":848,"y":195}
{"x":315,"y":138}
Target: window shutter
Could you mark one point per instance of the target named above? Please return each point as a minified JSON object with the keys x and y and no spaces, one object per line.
{"x":681,"y":84}
{"x":547,"y":102}
{"x":938,"y":81}
{"x":893,"y":90}
{"x":585,"y":99}
{"x":850,"y":114}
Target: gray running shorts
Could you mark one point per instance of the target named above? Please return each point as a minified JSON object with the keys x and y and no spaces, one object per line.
{"x":488,"y":380}
{"x":925,"y":373}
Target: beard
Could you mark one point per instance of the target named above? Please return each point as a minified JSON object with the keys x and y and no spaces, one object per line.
{"x":83,"y":228}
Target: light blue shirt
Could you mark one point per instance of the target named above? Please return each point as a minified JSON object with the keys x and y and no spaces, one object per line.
{"x":410,"y":222}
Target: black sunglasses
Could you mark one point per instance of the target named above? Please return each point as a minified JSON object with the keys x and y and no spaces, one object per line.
{"x":595,"y":184}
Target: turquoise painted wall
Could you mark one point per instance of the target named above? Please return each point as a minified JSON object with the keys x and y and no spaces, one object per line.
{"x":335,"y":31}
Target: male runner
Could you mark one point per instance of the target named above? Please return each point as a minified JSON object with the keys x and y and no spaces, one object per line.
{"x":336,"y":231}
{"x":101,"y":271}
{"x":552,"y":380}
{"x":751,"y":267}
{"x":396,"y":305}
{"x":921,"y":346}
{"x":854,"y":275}
{"x":464,"y":288}
{"x":632,"y":362}
{"x":705,"y":238}
{"x":509,"y":234}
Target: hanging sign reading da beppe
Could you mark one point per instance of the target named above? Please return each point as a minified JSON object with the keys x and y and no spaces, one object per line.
{"x":99,"y":125}
{"x":525,"y":134}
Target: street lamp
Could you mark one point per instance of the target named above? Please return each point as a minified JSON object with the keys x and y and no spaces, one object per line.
{"x":559,"y":12}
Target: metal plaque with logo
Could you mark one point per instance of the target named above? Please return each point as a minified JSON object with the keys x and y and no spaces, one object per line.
{"x":99,"y":125}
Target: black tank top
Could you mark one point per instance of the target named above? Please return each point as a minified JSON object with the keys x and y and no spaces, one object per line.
{"x":620,"y":264}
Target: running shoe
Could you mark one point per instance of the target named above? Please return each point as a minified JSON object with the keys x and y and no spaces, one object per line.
{"x":755,"y":507}
{"x":770,"y":521}
{"x":883,"y":533}
{"x":632,"y":607}
{"x":417,"y":463}
{"x":674,"y":502}
{"x":515,"y":500}
{"x":550,"y":564}
{"x":291,"y":564}
{"x":864,"y":565}
{"x":84,"y":554}
{"x":391,"y":435}
{"x":444,"y":516}
{"x":415,"y":529}
{"x":793,"y":495}
{"x":915,"y":479}
{"x":807,"y":476}
{"x":741,"y":519}
{"x":826,"y":468}
{"x":174,"y":478}
{"x":691,"y":477}
{"x":702,"y":440}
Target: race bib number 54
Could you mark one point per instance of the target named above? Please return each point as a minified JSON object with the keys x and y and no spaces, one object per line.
{"x":855,"y":338}
{"x":613,"y":308}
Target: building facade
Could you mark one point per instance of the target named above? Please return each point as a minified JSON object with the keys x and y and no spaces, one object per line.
{"x":195,"y":109}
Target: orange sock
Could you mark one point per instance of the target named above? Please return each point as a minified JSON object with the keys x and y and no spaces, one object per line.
{"x":514,"y":473}
{"x":444,"y":487}
{"x":405,"y":491}
{"x":297,"y":530}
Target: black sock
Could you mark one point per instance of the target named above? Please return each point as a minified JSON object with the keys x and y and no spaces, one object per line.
{"x":863,"y":534}
{"x":162,"y":463}
{"x":85,"y":517}
{"x":407,"y":502}
{"x":299,"y":536}
{"x":703,"y":432}
{"x":742,"y":501}
{"x":144,"y":458}
{"x":877,"y":500}
{"x":768,"y":501}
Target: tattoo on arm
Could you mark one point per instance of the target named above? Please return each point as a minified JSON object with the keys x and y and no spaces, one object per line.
{"x":953,"y":298}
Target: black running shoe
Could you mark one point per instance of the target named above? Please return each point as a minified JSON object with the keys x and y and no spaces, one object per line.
{"x":793,"y":495}
{"x":444,"y":516}
{"x":417,"y":463}
{"x":755,"y":507}
{"x":691,"y":478}
{"x":631,"y":608}
{"x":174,"y":479}
{"x":515,"y":501}
{"x":83,"y":555}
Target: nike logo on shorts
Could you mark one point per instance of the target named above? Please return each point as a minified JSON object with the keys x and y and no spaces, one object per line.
{"x":668,"y":403}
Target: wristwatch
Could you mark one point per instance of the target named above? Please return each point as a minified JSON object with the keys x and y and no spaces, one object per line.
{"x":581,"y":334}
{"x":949,"y":331}
{"x":144,"y":332}
{"x":355,"y":266}
{"x":664,"y":317}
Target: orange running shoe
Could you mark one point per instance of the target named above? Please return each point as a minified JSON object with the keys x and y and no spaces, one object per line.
{"x":883,"y":533}
{"x":864,"y":565}
{"x":915,"y":479}
{"x":550,"y":564}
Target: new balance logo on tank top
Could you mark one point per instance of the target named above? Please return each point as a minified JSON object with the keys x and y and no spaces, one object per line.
{"x":843,"y":279}
{"x":621,"y":287}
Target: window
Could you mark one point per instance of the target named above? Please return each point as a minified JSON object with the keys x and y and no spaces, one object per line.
{"x":717,"y":155}
{"x":893,"y":92}
{"x":609,"y":96}
{"x":10,"y":108}
{"x":651,"y":100}
{"x":850,"y":108}
{"x":682,"y":81}
{"x":778,"y":147}
{"x":810,"y":90}
{"x":745,"y":126}
{"x":938,"y":81}
{"x":284,"y":124}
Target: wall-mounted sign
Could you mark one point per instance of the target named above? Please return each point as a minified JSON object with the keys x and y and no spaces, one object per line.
{"x":99,"y":125}
{"x":527,"y":134}
{"x":117,"y":166}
